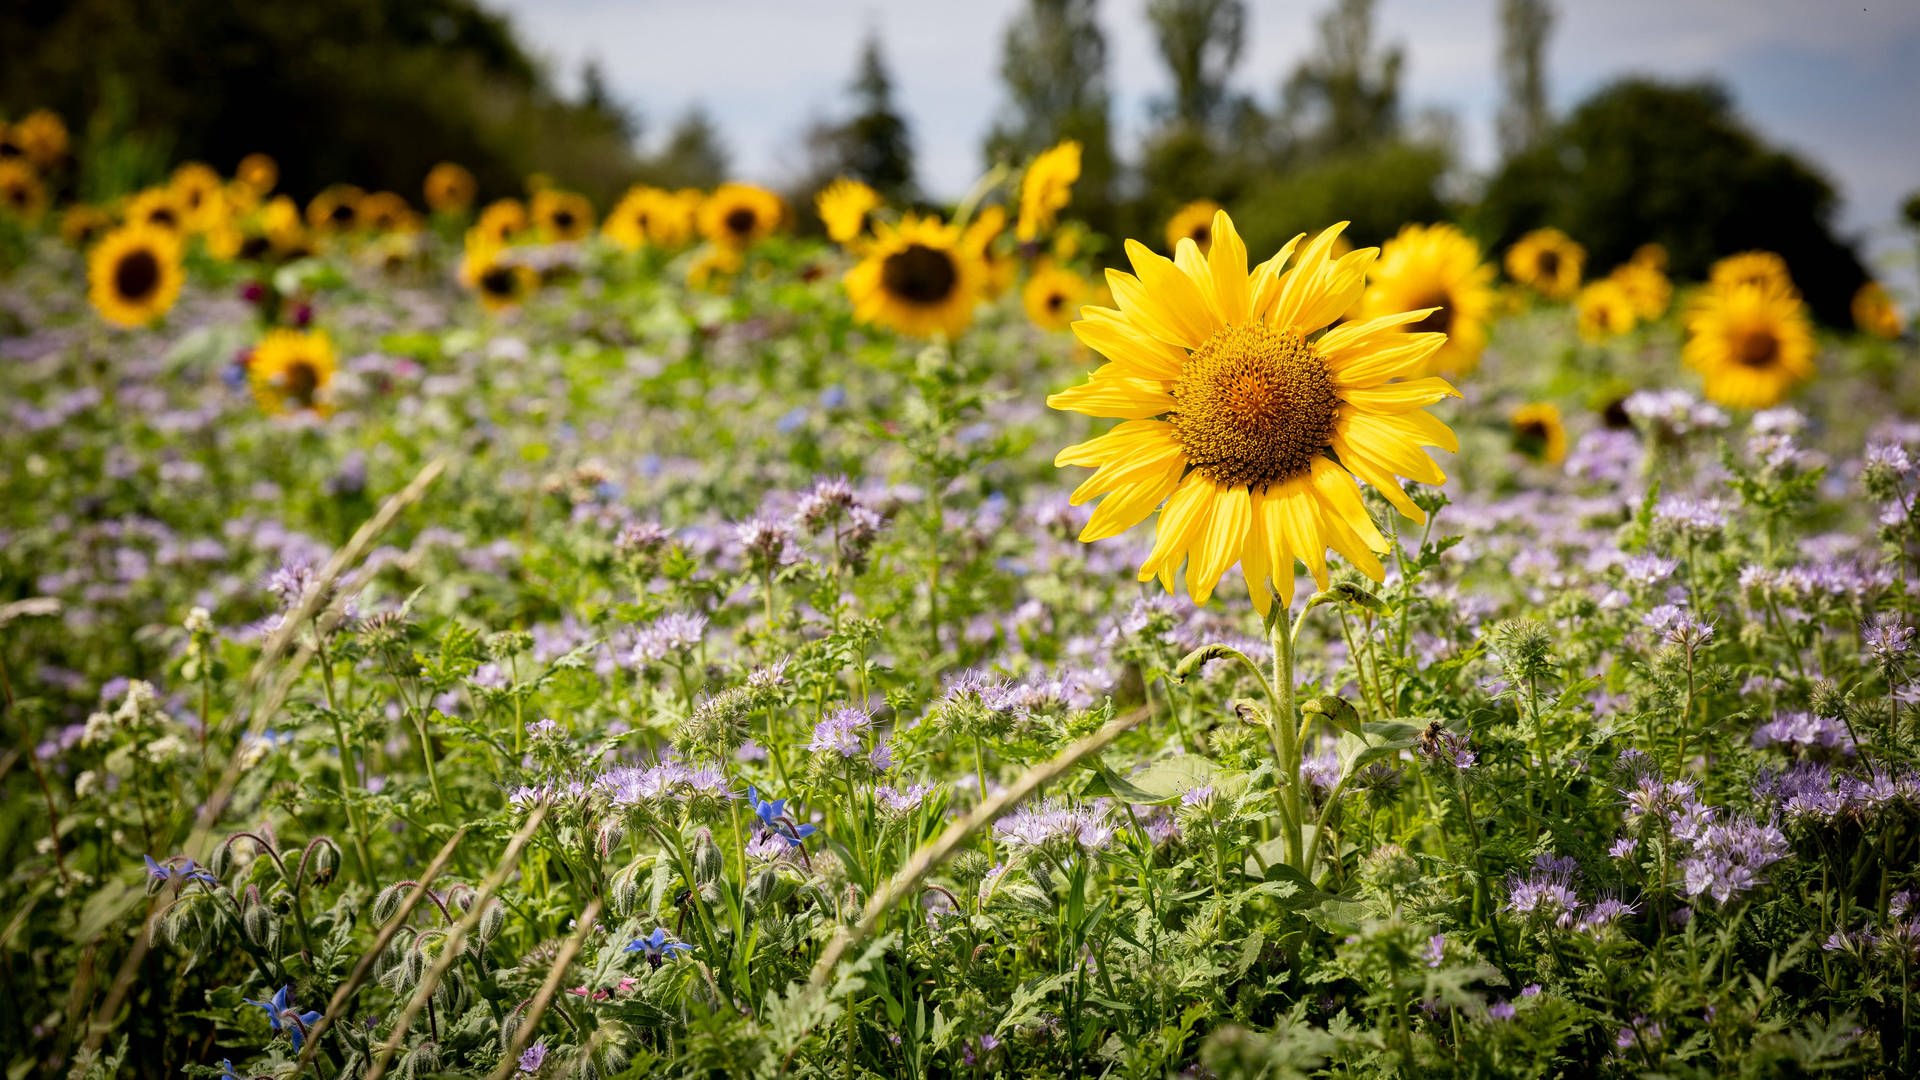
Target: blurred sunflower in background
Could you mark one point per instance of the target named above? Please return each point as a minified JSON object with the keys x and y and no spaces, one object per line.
{"x":502,"y":220}
{"x":918,"y":277}
{"x":1247,"y":421}
{"x":258,"y":172}
{"x":200,"y":193}
{"x":1604,"y":309}
{"x":980,"y":238}
{"x":1538,"y":432}
{"x":676,"y":217}
{"x":1758,"y":269}
{"x":629,"y":225}
{"x":1053,"y":295}
{"x":843,"y":207}
{"x":561,"y":216}
{"x":1751,"y":344}
{"x":281,"y":226}
{"x":335,"y":210}
{"x":41,"y":137}
{"x":1046,"y":188}
{"x":1194,"y":222}
{"x":292,"y":372}
{"x":22,"y":195}
{"x":1548,"y":262}
{"x":386,"y":212}
{"x":739,"y":216}
{"x":1439,"y":267}
{"x":1875,"y":313}
{"x":134,"y":275}
{"x":83,"y":223}
{"x":1646,"y":285}
{"x":449,"y":188}
{"x":157,"y":207}
{"x":499,"y":282}
{"x":714,"y":267}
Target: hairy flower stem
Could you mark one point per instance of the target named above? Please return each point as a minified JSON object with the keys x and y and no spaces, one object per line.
{"x":354,"y":818}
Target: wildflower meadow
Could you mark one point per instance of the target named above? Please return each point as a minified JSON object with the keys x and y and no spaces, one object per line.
{"x":459,"y":632}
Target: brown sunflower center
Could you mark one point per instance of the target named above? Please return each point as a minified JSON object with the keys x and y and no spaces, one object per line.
{"x":740,"y":221}
{"x":919,"y":274}
{"x":341,"y":213}
{"x":1758,"y":349}
{"x":163,"y":217}
{"x":563,"y":220}
{"x":1441,"y":321}
{"x":255,"y":246}
{"x":1253,"y":406}
{"x":302,"y":383}
{"x":1202,"y":235}
{"x":497,"y":281}
{"x":1548,"y":264}
{"x":1056,"y":301}
{"x":136,"y":275}
{"x":1531,"y":437}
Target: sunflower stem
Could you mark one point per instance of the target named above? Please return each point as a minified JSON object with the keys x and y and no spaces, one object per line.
{"x":1286,"y":735}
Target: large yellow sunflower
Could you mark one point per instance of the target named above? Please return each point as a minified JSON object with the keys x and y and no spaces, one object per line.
{"x":1762,"y":269}
{"x":740,"y":215}
{"x":22,"y":195}
{"x":843,"y":207}
{"x":291,"y":371}
{"x":918,"y":277}
{"x":1548,"y":262}
{"x":1604,"y":309}
{"x":676,"y":218}
{"x":1247,"y":421}
{"x":1874,"y":311}
{"x":1436,"y":266}
{"x":1194,"y":222}
{"x":449,"y":188}
{"x":1750,"y":343}
{"x":1053,"y":295}
{"x":1046,"y":189}
{"x":133,"y":274}
{"x":562,"y":215}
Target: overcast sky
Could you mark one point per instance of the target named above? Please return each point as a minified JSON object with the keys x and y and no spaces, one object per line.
{"x":1836,"y":80}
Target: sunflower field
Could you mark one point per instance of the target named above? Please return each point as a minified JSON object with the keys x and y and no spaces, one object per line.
{"x":449,"y":637}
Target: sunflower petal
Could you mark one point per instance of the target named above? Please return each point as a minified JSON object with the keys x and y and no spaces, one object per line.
{"x":1400,"y":397}
{"x":1220,"y":542}
{"x":1264,"y":285}
{"x":1255,"y":557}
{"x":1144,"y":312}
{"x":1124,"y":439}
{"x":1227,"y":268}
{"x":1126,"y":507}
{"x":1119,"y":396}
{"x":1176,"y":297}
{"x":1109,"y":333}
{"x":1180,"y":523}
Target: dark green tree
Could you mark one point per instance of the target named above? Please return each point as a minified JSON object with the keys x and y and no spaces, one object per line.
{"x":1200,"y":41}
{"x":1053,"y":63}
{"x":874,"y":144}
{"x":1346,"y":95}
{"x":692,"y":156}
{"x":1524,"y":26}
{"x":1644,"y":161}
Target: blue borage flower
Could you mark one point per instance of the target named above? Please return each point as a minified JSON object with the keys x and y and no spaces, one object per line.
{"x":178,"y":871}
{"x":281,"y":1015}
{"x":657,"y":947}
{"x":775,"y":819}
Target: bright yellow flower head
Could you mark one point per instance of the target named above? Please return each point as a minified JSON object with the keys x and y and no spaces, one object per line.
{"x":1751,"y":344}
{"x":998,"y":267}
{"x":449,"y":188}
{"x":259,"y":172}
{"x":562,"y":215}
{"x":918,"y":277}
{"x":1761,"y":269}
{"x":1053,"y":295}
{"x":1646,"y":285}
{"x":134,"y":275}
{"x":282,"y":227}
{"x":843,"y":206}
{"x":713,"y":268}
{"x":1436,"y":266}
{"x":1652,"y":256}
{"x":740,"y":215}
{"x":1539,"y":432}
{"x":200,"y":193}
{"x":1605,"y":309}
{"x":1548,"y":262}
{"x":1874,"y":311}
{"x":83,"y":223}
{"x":1248,"y":418}
{"x":22,"y":195}
{"x":626,"y":226}
{"x":1194,"y":222}
{"x":1046,"y":189}
{"x":386,"y":212}
{"x":292,"y":372}
{"x":157,"y":207}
